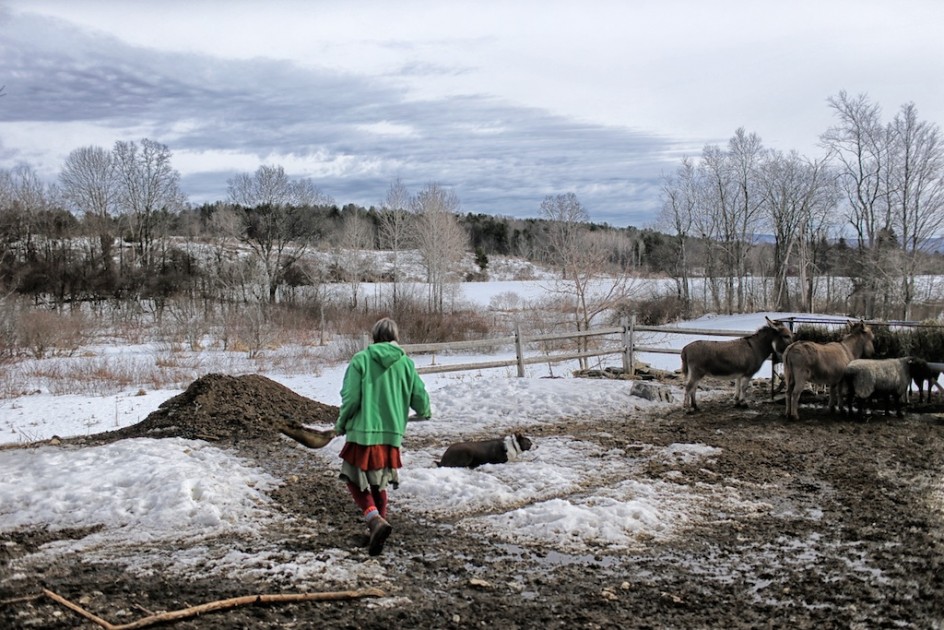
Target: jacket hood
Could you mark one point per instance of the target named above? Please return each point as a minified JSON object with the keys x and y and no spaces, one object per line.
{"x":385,"y":353}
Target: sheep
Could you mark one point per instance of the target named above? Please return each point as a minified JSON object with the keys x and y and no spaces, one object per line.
{"x":926,"y":374}
{"x":888,"y":378}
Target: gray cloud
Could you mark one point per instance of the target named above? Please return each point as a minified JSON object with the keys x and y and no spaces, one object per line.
{"x":498,"y":158}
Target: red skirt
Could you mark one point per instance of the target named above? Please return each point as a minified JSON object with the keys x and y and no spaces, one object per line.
{"x":374,"y":457}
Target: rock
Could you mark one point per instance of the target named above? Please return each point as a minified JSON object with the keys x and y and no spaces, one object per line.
{"x":651,"y":391}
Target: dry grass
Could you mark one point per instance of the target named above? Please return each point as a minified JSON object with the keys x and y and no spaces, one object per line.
{"x":124,"y":349}
{"x":160,"y":368}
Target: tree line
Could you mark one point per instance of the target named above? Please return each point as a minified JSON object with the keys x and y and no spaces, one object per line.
{"x":115,"y":225}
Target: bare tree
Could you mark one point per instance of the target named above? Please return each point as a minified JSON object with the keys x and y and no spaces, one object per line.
{"x":716,"y":223}
{"x":147,"y":187}
{"x":858,"y":144}
{"x":746,"y":154}
{"x":225,"y":228}
{"x":6,"y":189}
{"x":37,"y":237}
{"x":798,"y":195}
{"x":679,"y":202}
{"x":587,"y":279}
{"x":89,"y":183}
{"x":439,"y":238}
{"x":357,"y":237}
{"x":734,"y":202}
{"x":24,"y":197}
{"x":915,"y":191}
{"x":9,"y":236}
{"x":271,"y":186}
{"x":395,"y":219}
{"x":278,"y":225}
{"x":782,"y":178}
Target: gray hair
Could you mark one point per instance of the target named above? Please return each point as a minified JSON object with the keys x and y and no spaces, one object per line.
{"x":385,"y":330}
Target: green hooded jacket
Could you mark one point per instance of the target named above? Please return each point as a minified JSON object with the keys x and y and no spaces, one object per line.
{"x":379,"y":389}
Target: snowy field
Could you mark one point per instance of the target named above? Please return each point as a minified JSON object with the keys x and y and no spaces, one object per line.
{"x":146,"y":490}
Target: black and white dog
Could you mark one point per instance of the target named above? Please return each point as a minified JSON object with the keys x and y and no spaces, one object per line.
{"x":473,"y":454}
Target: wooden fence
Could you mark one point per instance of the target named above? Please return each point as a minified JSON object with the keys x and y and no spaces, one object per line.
{"x":621,"y":339}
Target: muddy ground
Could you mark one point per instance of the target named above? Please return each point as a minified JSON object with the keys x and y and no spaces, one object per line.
{"x":850,"y":535}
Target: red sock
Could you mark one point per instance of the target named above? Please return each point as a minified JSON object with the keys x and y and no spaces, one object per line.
{"x":380,"y":500}
{"x":364,"y":500}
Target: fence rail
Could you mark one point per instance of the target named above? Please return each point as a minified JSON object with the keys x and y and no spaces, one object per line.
{"x":625,"y":346}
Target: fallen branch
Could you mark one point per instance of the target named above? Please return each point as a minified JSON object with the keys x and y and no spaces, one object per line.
{"x":78,"y":609}
{"x":223,"y":604}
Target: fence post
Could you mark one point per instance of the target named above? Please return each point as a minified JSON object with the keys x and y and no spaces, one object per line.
{"x":773,"y":375}
{"x":365,"y":341}
{"x":519,"y":354}
{"x":773,"y":363}
{"x":630,"y":343}
{"x":627,"y":359}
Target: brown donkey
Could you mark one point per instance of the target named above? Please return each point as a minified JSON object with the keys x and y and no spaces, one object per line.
{"x":738,"y":357}
{"x":824,"y":364}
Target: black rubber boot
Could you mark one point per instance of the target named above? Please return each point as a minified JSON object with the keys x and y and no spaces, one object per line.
{"x":379,"y":531}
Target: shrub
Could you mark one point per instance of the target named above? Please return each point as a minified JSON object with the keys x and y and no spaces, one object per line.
{"x":256,"y":330}
{"x":927,"y":341}
{"x":661,"y":310}
{"x":9,"y":344}
{"x":505,"y":301}
{"x":48,"y":332}
{"x":654,"y":311}
{"x":416,"y":324}
{"x":438,"y":327}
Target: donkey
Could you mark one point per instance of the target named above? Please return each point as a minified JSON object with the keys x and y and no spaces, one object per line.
{"x":824,"y":364}
{"x":738,"y":357}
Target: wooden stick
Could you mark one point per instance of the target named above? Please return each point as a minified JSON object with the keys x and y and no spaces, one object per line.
{"x":245,"y":600}
{"x":222,"y":604}
{"x":78,"y":609}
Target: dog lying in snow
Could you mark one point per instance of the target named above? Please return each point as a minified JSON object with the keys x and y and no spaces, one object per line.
{"x":473,"y":454}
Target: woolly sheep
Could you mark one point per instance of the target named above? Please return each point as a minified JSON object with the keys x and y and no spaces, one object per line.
{"x":886,"y":378}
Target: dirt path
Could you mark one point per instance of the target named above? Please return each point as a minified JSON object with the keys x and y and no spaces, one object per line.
{"x":846,"y":533}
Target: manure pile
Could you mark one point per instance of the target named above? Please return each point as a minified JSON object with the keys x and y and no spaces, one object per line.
{"x":218,"y":407}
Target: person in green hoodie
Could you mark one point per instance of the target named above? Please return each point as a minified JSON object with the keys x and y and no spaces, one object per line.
{"x":380,"y":387}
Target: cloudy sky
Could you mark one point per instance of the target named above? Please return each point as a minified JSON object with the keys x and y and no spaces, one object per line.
{"x":503,"y":102}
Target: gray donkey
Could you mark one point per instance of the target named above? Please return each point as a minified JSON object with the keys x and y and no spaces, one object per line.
{"x":738,"y":357}
{"x":824,"y":364}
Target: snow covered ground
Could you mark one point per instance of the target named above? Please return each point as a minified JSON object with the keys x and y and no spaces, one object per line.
{"x":149,"y":490}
